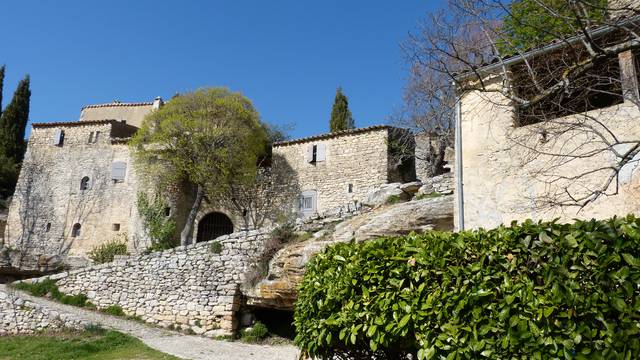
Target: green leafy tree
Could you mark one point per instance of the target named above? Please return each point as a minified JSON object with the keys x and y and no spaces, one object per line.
{"x":341,"y":118}
{"x":210,"y":137}
{"x":531,"y":23}
{"x":160,"y":228}
{"x":14,"y":122}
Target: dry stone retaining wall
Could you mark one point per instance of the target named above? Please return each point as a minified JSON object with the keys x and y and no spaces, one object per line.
{"x":189,"y":287}
{"x":19,"y":316}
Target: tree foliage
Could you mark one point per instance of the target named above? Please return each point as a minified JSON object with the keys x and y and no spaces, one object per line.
{"x":13,"y":122}
{"x":341,"y":118}
{"x":160,"y":228}
{"x":531,"y":23}
{"x":525,"y":291}
{"x":210,"y":137}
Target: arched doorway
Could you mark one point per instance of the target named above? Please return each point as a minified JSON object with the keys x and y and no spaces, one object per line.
{"x":213,"y":225}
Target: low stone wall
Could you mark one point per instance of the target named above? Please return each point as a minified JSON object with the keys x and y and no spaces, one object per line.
{"x":442,"y":184}
{"x":19,"y":316}
{"x":189,"y":287}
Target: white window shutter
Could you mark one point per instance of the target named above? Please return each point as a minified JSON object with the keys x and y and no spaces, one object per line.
{"x":57,"y":137}
{"x":309,"y":155}
{"x":321,"y":154}
{"x":118,"y":170}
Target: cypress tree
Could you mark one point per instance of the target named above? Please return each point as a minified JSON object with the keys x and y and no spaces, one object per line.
{"x":14,"y":122}
{"x":341,"y":118}
{"x":1,"y":86}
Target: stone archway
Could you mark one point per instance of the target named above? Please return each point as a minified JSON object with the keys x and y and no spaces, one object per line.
{"x":213,"y":225}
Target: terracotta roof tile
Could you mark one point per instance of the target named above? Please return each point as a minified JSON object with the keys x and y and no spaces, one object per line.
{"x":116,"y":104}
{"x":332,"y":135}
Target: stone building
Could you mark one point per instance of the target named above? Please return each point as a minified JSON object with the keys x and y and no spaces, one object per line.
{"x":78,"y":186}
{"x":335,"y":171}
{"x":548,"y":169}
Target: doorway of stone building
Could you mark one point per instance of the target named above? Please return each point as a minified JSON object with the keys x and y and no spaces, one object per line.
{"x":213,"y":225}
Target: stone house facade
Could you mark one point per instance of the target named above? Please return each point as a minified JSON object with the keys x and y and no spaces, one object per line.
{"x":515,"y":172}
{"x":335,"y":171}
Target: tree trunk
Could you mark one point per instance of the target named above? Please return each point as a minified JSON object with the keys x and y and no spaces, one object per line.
{"x":185,"y":235}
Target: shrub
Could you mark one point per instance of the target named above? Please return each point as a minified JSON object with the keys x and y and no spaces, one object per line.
{"x":79,"y":300}
{"x":215,"y":247}
{"x":106,"y":252}
{"x":530,"y":290}
{"x":393,"y":199}
{"x":284,"y":233}
{"x":160,"y":227}
{"x":254,"y":334}
{"x":114,"y":310}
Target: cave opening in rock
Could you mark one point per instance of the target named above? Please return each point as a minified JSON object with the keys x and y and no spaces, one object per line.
{"x":279,"y":322}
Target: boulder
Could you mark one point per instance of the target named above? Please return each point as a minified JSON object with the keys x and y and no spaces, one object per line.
{"x":412,"y":187}
{"x":385,"y":194}
{"x":286,"y":269}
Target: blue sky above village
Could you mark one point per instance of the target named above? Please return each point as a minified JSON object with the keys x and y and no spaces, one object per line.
{"x":288,"y":57}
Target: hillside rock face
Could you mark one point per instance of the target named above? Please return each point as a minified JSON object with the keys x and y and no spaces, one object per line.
{"x":279,"y":289}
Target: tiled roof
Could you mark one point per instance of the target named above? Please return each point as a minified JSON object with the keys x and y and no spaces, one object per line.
{"x":332,"y":135}
{"x":73,"y":123}
{"x":146,"y":103}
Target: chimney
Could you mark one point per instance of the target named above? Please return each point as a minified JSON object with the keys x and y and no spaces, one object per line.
{"x":157,"y":103}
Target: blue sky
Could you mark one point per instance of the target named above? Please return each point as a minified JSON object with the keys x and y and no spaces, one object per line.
{"x":288,"y":57}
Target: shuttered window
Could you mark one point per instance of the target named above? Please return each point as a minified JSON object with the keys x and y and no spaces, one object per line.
{"x":316,"y":153}
{"x":58,"y":137}
{"x":118,"y":171}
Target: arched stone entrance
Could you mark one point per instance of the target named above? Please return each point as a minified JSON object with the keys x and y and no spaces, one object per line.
{"x":213,"y":225}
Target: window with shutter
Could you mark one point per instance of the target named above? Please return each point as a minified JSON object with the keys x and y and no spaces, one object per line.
{"x":58,"y":137}
{"x":118,"y":171}
{"x":321,"y":152}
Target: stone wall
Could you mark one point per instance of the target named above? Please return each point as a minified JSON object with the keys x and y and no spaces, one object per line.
{"x":19,"y":316}
{"x":189,"y":287}
{"x":508,"y":174}
{"x":441,"y":184}
{"x":360,"y":159}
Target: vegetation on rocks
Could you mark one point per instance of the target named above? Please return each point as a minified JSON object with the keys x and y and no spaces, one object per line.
{"x":48,"y":288}
{"x":255,"y":333}
{"x":106,"y":252}
{"x":526,"y":291}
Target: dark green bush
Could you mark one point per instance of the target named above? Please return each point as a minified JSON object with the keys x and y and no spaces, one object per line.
{"x":215,"y":247}
{"x":256,"y":333}
{"x":105,"y":253}
{"x":115,"y":310}
{"x":525,"y":291}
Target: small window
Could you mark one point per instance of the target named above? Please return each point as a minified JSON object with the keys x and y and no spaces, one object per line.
{"x":115,"y":227}
{"x":47,"y":227}
{"x":84,"y":183}
{"x":58,"y":137}
{"x":75,"y":232}
{"x":167,"y":211}
{"x":314,"y":156}
{"x":350,"y":188}
{"x":118,"y":171}
{"x":308,"y":202}
{"x":93,"y":137}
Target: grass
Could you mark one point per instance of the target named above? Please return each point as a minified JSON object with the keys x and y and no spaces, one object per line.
{"x":434,"y":194}
{"x":93,"y":344}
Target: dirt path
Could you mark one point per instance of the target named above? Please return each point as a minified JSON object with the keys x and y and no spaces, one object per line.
{"x":171,"y":342}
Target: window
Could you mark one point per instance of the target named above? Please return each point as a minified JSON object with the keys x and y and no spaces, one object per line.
{"x":115,"y":227}
{"x":47,"y":227}
{"x":167,"y":211}
{"x":316,"y":153}
{"x":350,"y":188}
{"x":308,"y":202}
{"x":58,"y":137}
{"x":84,"y":183}
{"x":75,"y":232}
{"x":93,"y":137}
{"x":118,"y":171}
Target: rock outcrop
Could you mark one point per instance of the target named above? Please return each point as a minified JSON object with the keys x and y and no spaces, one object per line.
{"x":279,"y":289}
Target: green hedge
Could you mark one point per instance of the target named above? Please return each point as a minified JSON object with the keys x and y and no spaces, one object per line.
{"x":526,"y":291}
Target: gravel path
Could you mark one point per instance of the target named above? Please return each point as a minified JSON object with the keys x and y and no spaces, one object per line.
{"x":171,"y":342}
